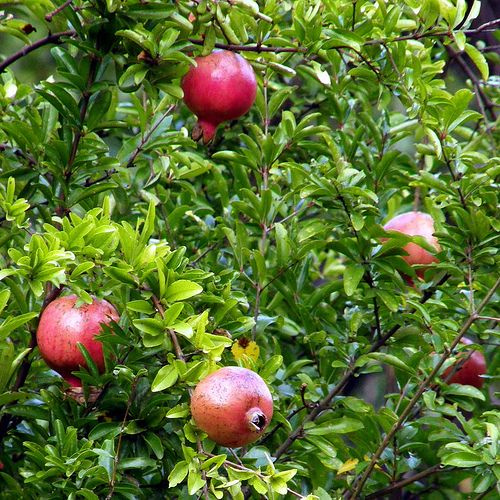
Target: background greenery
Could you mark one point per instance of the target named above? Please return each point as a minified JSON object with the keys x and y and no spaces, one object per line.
{"x":271,"y":234}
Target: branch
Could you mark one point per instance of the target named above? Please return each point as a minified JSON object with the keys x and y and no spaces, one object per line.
{"x":54,"y":13}
{"x":173,"y":335}
{"x":180,"y":355}
{"x":405,"y":482}
{"x":84,"y":103}
{"x":422,"y":387}
{"x":348,"y":376}
{"x":251,"y":48}
{"x":482,"y":98}
{"x":483,"y":27}
{"x":323,"y":405}
{"x":437,"y":34}
{"x":118,"y":446}
{"x":49,"y":39}
{"x":130,"y":162}
{"x":19,"y":153}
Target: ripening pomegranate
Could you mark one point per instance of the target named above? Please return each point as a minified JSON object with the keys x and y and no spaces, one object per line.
{"x":221,"y":87}
{"x":233,"y":406}
{"x":471,"y":370}
{"x":63,"y":325}
{"x":416,"y":224}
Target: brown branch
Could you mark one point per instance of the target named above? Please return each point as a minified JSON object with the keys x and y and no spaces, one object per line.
{"x":409,"y":480}
{"x":347,"y":377}
{"x":50,"y":15}
{"x":173,"y":335}
{"x":437,"y":34}
{"x":251,"y":48}
{"x":180,"y":355}
{"x":421,"y":388}
{"x":55,"y":38}
{"x":146,"y":138}
{"x":19,"y":153}
{"x":482,"y":99}
{"x":118,"y":446}
{"x":323,"y":405}
{"x":483,"y":27}
{"x":86,"y":95}
{"x":130,"y":162}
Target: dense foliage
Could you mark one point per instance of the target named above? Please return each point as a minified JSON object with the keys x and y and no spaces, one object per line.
{"x":265,"y":248}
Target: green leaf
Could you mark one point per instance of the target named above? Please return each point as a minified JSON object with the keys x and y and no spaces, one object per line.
{"x":178,"y":474}
{"x":182,"y":290}
{"x":336,"y":426}
{"x":140,"y":306}
{"x":462,"y":459}
{"x":479,"y":60}
{"x":150,"y":326}
{"x":389,"y":359}
{"x":463,"y":390}
{"x":165,"y":378}
{"x":352,"y":276}
{"x":10,"y":324}
{"x":155,"y":443}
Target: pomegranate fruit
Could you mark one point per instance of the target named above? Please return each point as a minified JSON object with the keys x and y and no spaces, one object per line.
{"x":221,"y":87}
{"x":233,"y":406}
{"x":63,"y":325}
{"x":470,"y":370}
{"x":416,"y":224}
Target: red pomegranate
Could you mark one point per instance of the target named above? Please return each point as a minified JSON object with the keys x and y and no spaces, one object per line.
{"x":63,"y":325}
{"x":471,"y":370}
{"x":221,"y":87}
{"x":416,"y":224}
{"x":233,"y":406}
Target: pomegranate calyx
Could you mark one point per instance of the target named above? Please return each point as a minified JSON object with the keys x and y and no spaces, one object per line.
{"x":257,"y":420}
{"x":203,"y":130}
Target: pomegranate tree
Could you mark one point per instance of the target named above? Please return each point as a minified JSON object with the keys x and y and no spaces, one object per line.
{"x":221,"y":87}
{"x":233,"y":406}
{"x":470,"y":370}
{"x":63,"y":325}
{"x":416,"y":224}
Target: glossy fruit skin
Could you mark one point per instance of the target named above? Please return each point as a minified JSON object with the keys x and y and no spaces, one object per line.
{"x":469,"y":373}
{"x":226,"y":402}
{"x":62,"y":326}
{"x":416,"y":224}
{"x":221,"y":87}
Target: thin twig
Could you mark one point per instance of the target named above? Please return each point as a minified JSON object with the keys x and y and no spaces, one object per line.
{"x":409,"y":480}
{"x":180,"y":356}
{"x":421,"y":388}
{"x":55,"y":38}
{"x":118,"y":446}
{"x":489,"y":318}
{"x":482,"y":99}
{"x":172,"y":334}
{"x":50,"y":15}
{"x":130,"y":162}
{"x":250,"y":48}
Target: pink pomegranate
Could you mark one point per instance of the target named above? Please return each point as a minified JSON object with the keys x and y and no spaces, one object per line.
{"x":63,"y":325}
{"x":471,"y":370}
{"x":416,"y":224}
{"x":233,"y":406}
{"x":221,"y":87}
